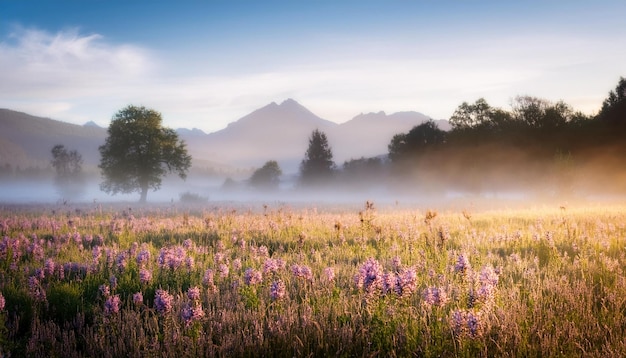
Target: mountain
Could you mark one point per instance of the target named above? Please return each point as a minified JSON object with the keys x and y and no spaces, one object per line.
{"x":26,"y":140}
{"x":275,"y":132}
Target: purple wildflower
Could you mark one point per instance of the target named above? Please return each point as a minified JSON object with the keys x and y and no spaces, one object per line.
{"x":143,"y":257}
{"x":112,"y":305}
{"x":302,"y":271}
{"x":370,"y":276}
{"x":36,"y":291}
{"x":435,"y":296}
{"x":329,"y":273}
{"x":193,"y":293}
{"x":462,"y":264}
{"x":138,"y":298}
{"x":252,"y":277}
{"x":49,"y":267}
{"x":105,"y":290}
{"x":192,"y":312}
{"x":2,"y":302}
{"x":145,"y":275}
{"x":237,"y":264}
{"x":113,"y":282}
{"x":277,"y":290}
{"x":208,"y":278}
{"x":163,"y":301}
{"x":465,"y":322}
{"x":223,"y":270}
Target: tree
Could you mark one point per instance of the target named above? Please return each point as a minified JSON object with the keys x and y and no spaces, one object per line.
{"x":317,"y":165}
{"x":266,"y":177}
{"x":138,"y":152}
{"x":540,"y":113}
{"x":424,"y":136}
{"x":471,"y":115}
{"x":68,"y":167}
{"x":614,"y":106}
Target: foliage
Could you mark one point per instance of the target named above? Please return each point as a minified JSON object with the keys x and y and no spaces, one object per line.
{"x":138,"y":152}
{"x":317,"y":166}
{"x":68,"y":168}
{"x":266,"y":177}
{"x":423,"y":137}
{"x":189,"y":197}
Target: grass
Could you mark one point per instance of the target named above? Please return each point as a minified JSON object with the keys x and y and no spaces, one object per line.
{"x":535,"y":282}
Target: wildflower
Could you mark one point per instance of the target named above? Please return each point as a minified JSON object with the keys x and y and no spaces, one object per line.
{"x":329,"y":273}
{"x":163,"y":301}
{"x":49,"y":267}
{"x":223,"y":270}
{"x":277,"y":290}
{"x":270,"y":266}
{"x":2,"y":302}
{"x":96,"y":253}
{"x":188,"y":244}
{"x":113,"y":282}
{"x":143,"y":257}
{"x":192,"y":312}
{"x":193,"y":293}
{"x":435,"y":296}
{"x":105,"y":290}
{"x":370,"y":276}
{"x":137,"y":298}
{"x":120,"y":261}
{"x":189,"y":262}
{"x":219,"y":257}
{"x":237,"y":264}
{"x":302,"y":271}
{"x":145,"y":275}
{"x":252,"y":277}
{"x":406,"y":282}
{"x":36,"y":291}
{"x":462,"y":264}
{"x":466,"y":322}
{"x":208,"y":277}
{"x":112,"y":305}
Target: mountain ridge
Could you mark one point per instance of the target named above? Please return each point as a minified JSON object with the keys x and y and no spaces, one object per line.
{"x":273,"y":132}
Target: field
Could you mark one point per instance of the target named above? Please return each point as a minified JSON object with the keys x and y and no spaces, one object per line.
{"x":161,"y":280}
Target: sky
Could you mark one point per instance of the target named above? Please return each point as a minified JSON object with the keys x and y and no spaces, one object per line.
{"x":204,"y":64}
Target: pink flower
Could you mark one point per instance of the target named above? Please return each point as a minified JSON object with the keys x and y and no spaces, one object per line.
{"x":208,"y":277}
{"x":192,"y":312}
{"x":435,"y":296}
{"x":329,"y":273}
{"x":462,"y":264}
{"x":2,"y":302}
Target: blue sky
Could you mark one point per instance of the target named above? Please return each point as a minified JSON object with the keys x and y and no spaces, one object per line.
{"x":204,"y":64}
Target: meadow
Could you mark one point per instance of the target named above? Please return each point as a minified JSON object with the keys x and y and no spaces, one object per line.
{"x":275,"y":280}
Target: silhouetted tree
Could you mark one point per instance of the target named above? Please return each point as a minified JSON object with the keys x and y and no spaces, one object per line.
{"x":267,"y":177}
{"x":68,"y":167}
{"x":540,"y":113}
{"x":471,"y":115}
{"x":424,"y":136}
{"x":614,"y":106}
{"x":138,"y":152}
{"x":317,"y":165}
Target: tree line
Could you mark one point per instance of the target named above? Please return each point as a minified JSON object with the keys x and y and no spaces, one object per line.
{"x":487,"y":148}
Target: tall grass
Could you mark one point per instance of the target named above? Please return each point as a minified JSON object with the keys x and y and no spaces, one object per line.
{"x":279,"y":281}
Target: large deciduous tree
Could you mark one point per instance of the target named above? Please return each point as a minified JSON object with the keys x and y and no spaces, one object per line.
{"x":317,"y":166}
{"x":420,"y":138}
{"x":139,"y":151}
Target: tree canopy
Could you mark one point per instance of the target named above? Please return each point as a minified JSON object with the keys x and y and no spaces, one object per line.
{"x":424,"y":136}
{"x":317,"y":165}
{"x":68,"y":168}
{"x":139,"y":151}
{"x":267,"y":177}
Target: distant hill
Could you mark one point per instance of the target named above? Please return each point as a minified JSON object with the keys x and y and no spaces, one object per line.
{"x":274,"y":132}
{"x":27,"y":140}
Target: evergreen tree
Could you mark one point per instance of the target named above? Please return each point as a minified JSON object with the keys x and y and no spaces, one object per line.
{"x":317,"y":166}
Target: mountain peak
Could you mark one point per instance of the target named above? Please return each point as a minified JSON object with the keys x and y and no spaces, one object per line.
{"x":91,"y":124}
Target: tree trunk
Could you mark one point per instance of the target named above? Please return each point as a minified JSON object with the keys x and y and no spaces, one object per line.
{"x":144,"y":193}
